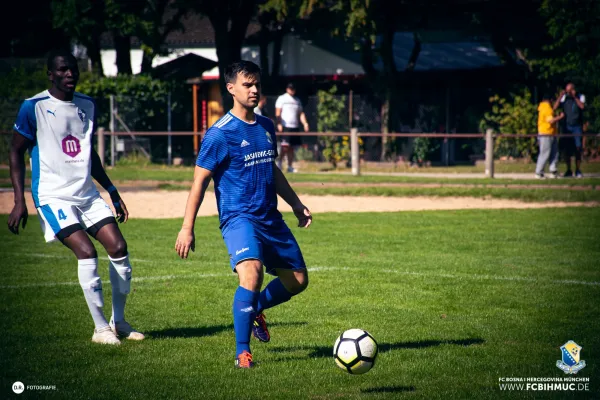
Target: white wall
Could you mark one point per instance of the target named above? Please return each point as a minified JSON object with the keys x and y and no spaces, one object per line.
{"x":109,"y":59}
{"x":298,"y":57}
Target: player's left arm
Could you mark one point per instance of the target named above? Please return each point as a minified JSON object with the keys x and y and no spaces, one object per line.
{"x":287,"y":193}
{"x":99,"y":174}
{"x":304,"y":121}
{"x":580,"y":100}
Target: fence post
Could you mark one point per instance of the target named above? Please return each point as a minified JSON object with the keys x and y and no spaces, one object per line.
{"x":100,"y":135}
{"x":489,"y":153}
{"x":112,"y":129}
{"x":355,"y":151}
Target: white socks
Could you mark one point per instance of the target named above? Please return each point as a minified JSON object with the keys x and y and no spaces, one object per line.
{"x":91,"y":284}
{"x":120,"y":279}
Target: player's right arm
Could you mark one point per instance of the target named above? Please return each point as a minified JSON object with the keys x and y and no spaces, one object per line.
{"x":185,"y":239}
{"x":213,"y":152}
{"x":19,"y":146}
{"x":23,"y":138}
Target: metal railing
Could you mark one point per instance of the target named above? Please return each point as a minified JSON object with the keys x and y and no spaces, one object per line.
{"x":489,"y":137}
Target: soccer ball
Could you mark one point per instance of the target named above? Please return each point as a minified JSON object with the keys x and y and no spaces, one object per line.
{"x":355,"y":351}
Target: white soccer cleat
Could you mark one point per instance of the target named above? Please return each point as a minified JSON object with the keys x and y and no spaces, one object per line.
{"x":105,"y":336}
{"x":124,"y":330}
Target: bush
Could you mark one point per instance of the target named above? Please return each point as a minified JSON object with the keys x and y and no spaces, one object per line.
{"x":330,"y":112}
{"x":515,"y":116}
{"x":17,"y":84}
{"x":141,"y":101}
{"x":423,"y":147}
{"x":134,"y":158}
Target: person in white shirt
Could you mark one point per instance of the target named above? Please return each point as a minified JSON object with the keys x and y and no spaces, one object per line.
{"x":57,"y":127}
{"x":289,"y":115}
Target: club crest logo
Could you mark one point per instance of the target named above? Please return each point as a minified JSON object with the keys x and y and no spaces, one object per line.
{"x":269,"y":137}
{"x":571,"y":362}
{"x":81,"y":114}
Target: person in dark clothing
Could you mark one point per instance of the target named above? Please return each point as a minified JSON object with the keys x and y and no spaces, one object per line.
{"x":573,"y":104}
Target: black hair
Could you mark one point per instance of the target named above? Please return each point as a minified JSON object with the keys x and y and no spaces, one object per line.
{"x":246,"y":68}
{"x":546,"y":95}
{"x":65,"y":53}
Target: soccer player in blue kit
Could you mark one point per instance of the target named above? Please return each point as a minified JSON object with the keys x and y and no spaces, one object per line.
{"x":238,"y":152}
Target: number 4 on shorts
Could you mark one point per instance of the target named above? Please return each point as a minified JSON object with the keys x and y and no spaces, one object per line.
{"x":61,"y":214}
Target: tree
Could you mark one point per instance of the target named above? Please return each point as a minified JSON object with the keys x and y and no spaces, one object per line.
{"x":574,"y":31}
{"x":278,"y":18}
{"x":372,"y":25}
{"x":158,"y":19}
{"x":28,"y":32}
{"x":230,"y":20}
{"x":94,"y":17}
{"x":572,"y":53}
{"x":90,"y":16}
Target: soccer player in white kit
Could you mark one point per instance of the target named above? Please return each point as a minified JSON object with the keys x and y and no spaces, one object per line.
{"x":57,"y":126}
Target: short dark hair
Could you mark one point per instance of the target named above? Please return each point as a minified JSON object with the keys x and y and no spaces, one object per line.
{"x":246,"y":68}
{"x":546,"y":95}
{"x":65,"y":53}
{"x":291,"y":86}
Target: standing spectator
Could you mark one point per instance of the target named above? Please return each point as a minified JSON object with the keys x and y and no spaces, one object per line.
{"x":573,"y":104}
{"x":547,"y":139}
{"x":289,"y":115}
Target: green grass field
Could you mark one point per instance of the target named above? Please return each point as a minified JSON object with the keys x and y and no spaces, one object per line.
{"x":156,"y":172}
{"x":527,"y":195}
{"x":455,"y":299}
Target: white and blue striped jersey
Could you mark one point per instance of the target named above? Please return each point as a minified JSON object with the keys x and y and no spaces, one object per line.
{"x":241,"y":156}
{"x":61,"y":132}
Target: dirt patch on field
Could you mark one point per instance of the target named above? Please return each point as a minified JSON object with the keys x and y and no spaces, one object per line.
{"x":171,"y":204}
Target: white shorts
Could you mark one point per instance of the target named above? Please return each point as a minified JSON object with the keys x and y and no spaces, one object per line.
{"x":59,"y":220}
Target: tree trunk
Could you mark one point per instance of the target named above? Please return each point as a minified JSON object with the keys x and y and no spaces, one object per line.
{"x":93,"y":50}
{"x":263,"y":48}
{"x":227,"y":53}
{"x":270,"y":63}
{"x":123,"y":50}
{"x":147,"y":63}
{"x":385,"y":121}
{"x":277,"y":55}
{"x":230,"y":21}
{"x":388,"y":86}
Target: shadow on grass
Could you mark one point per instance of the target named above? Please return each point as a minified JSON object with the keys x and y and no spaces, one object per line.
{"x":327,"y":351}
{"x":188,"y":332}
{"x":389,"y":389}
{"x":201,"y":331}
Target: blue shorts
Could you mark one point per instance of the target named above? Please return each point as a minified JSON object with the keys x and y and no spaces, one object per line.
{"x":576,"y":131}
{"x":275,"y":246}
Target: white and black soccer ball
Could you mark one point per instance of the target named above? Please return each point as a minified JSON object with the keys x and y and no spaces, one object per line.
{"x":355,"y":351}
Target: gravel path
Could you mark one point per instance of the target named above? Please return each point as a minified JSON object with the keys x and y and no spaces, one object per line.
{"x":171,"y":204}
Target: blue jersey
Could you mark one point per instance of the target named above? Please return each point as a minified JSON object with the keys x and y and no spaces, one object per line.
{"x":241,"y":156}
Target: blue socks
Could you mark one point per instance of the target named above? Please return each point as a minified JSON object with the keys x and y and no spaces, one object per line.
{"x":244,"y":312}
{"x":275,"y":293}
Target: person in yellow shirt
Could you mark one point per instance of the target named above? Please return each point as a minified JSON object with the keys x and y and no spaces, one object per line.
{"x":547,"y":139}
